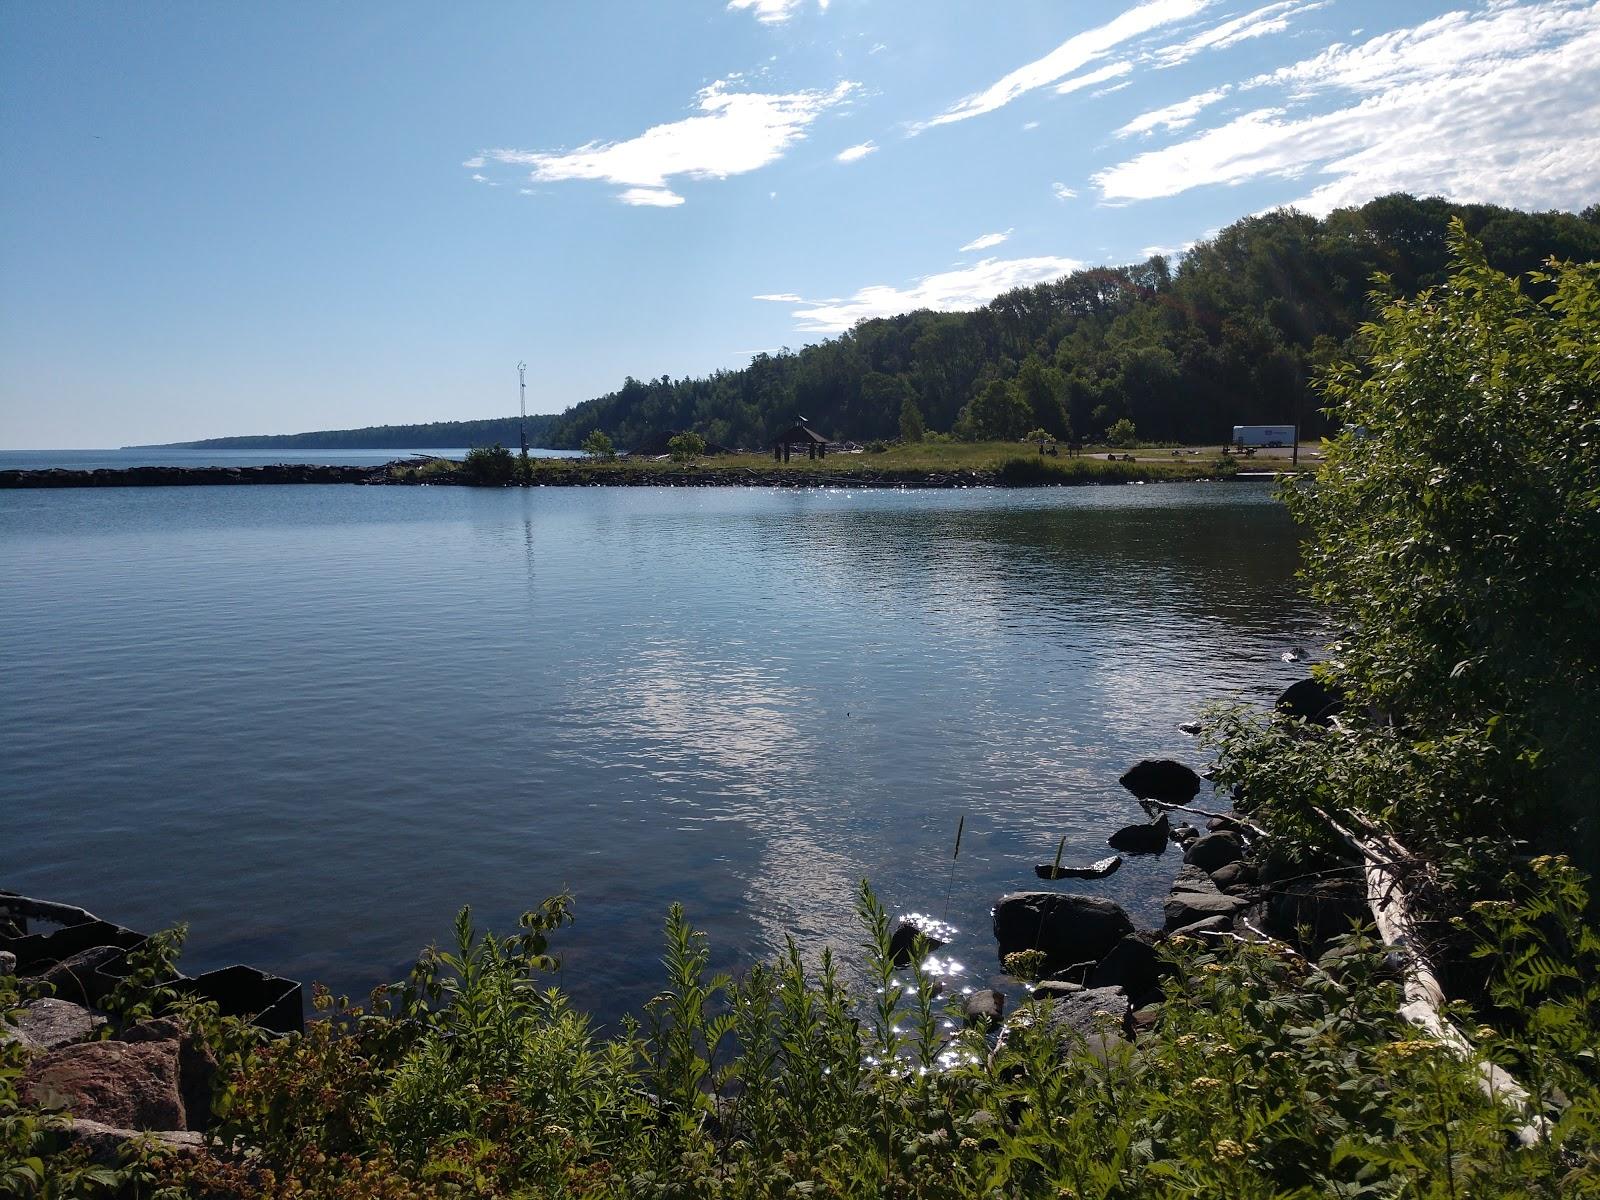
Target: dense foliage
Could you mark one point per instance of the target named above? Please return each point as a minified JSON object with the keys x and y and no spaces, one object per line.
{"x":432,"y":436}
{"x":1266,"y":1076}
{"x":1454,"y":536}
{"x":1230,"y":337}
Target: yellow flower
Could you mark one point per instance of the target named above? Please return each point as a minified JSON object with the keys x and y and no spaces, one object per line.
{"x":1205,"y":1083}
{"x":1227,"y":1148}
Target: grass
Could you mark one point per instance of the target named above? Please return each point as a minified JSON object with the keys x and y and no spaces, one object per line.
{"x":1016,"y":464}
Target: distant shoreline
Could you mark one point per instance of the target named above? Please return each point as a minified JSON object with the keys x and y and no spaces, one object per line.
{"x":1021,"y":471}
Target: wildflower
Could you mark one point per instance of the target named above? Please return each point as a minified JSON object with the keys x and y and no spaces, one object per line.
{"x":1186,"y":1040}
{"x":1488,"y":907}
{"x":1206,"y":1083}
{"x":1212,"y":968}
{"x":969,"y":1145}
{"x":1408,"y":1049}
{"x":1227,"y":1148}
{"x":1485,"y":1032}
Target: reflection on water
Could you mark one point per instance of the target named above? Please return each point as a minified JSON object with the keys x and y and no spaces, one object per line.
{"x":313,"y":721}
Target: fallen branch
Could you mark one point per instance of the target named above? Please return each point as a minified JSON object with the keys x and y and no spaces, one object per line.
{"x":1169,"y":806}
{"x":1384,"y":860}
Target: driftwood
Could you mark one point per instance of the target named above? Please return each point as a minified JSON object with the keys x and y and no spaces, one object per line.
{"x":1383,"y":860}
{"x":1169,"y":806}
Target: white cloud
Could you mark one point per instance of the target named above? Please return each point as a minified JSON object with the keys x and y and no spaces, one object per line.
{"x":1174,"y":116}
{"x":772,"y":12}
{"x":949,"y":291}
{"x":856,"y":153}
{"x":1073,"y":54}
{"x":986,"y":242}
{"x":649,"y":197}
{"x":480,"y":179}
{"x":1106,"y":91}
{"x":781,"y":298}
{"x":1499,"y":105}
{"x":1090,"y":78}
{"x":1273,"y":18}
{"x":474,"y":162}
{"x":1062,"y":192}
{"x":1029,"y":125}
{"x":733,"y":133}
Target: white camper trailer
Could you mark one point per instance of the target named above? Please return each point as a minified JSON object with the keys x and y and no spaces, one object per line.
{"x":1263,"y":435}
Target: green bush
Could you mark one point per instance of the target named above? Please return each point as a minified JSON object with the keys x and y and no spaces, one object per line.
{"x":599,"y":445}
{"x":1122,"y":434}
{"x":489,"y":466}
{"x":686,"y":447}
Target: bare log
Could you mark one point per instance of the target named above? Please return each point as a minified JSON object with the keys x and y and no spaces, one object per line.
{"x":1169,"y":806}
{"x":1383,"y":859}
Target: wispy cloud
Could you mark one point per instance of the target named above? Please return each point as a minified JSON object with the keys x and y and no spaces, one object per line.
{"x":649,"y":197}
{"x":1090,"y":78}
{"x":949,"y":291}
{"x":1461,"y":105}
{"x":781,"y":298}
{"x":1072,"y":55}
{"x":1062,"y":192}
{"x":734,"y":133}
{"x":1272,"y":18}
{"x":852,"y":154}
{"x":772,"y":12}
{"x":1174,"y":116}
{"x":987,"y":241}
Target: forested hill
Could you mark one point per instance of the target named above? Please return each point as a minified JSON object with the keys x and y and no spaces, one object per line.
{"x":1229,"y":337}
{"x":437,"y":435}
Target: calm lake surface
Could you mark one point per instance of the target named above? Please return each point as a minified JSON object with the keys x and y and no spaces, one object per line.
{"x":313,"y":721}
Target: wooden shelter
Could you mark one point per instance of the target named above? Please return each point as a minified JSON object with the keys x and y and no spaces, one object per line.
{"x":800,"y":434}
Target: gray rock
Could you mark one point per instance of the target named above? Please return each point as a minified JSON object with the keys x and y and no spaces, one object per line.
{"x":1095,"y":870}
{"x":1192,"y":728}
{"x":74,"y":979}
{"x":1326,"y":908}
{"x":1214,"y":851}
{"x":1185,"y":908}
{"x":8,"y":963}
{"x":984,"y":1007}
{"x":1070,"y":1020}
{"x":49,"y":1024}
{"x":1311,"y":700}
{"x":1147,"y":837}
{"x":1193,"y":879}
{"x":1234,"y":877}
{"x":106,"y":1145}
{"x":1200,"y":928}
{"x":1161,"y":779}
{"x":1050,"y":989}
{"x":1184,"y":834}
{"x":1068,"y":928}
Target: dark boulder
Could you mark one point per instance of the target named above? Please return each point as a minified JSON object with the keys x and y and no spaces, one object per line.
{"x":1132,"y":965}
{"x":1234,"y":877}
{"x":904,"y":938}
{"x":129,"y":1086}
{"x":1323,"y":908}
{"x":1161,"y":779}
{"x":1147,"y":837}
{"x":1095,"y":870}
{"x":1214,"y":851}
{"x":1185,"y":908}
{"x":1311,"y":700}
{"x":1184,"y":834}
{"x":984,"y":1007}
{"x":1202,"y":928}
{"x":1068,"y":928}
{"x":1049,"y":989}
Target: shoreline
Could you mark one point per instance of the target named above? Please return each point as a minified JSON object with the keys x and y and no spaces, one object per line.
{"x":403,"y":472}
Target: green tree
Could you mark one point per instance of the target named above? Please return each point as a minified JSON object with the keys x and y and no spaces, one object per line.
{"x":912,"y":428}
{"x":489,"y":466}
{"x":598,"y":445}
{"x":1454,"y":530}
{"x":686,"y":447}
{"x":999,"y":413}
{"x":1122,"y":433}
{"x":1044,"y":390}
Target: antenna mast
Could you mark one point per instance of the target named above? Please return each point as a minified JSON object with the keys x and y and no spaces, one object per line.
{"x":522,"y":410}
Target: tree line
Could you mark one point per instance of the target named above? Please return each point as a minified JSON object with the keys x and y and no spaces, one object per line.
{"x":1232,"y":335}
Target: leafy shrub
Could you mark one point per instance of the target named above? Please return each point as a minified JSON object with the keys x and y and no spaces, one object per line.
{"x":686,"y":447}
{"x":1121,"y":433}
{"x":489,"y":466}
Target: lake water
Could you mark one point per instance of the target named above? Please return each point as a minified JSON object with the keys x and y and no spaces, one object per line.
{"x":313,"y":721}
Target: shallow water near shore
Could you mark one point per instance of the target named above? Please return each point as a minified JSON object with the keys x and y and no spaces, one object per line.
{"x":313,"y":721}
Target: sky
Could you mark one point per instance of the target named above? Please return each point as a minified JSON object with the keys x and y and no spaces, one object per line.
{"x":227,"y":219}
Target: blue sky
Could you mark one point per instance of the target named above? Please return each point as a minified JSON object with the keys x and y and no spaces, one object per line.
{"x":227,"y":218}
